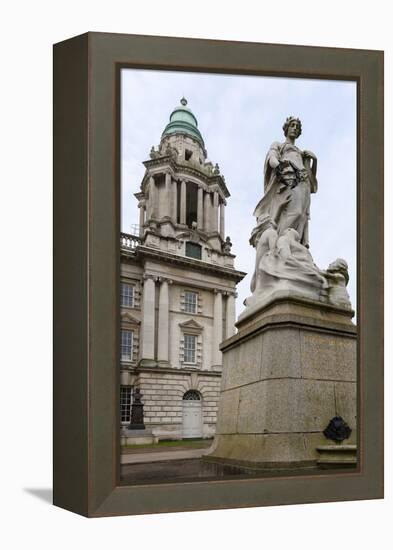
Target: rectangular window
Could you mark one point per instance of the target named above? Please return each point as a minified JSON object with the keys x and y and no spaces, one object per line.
{"x":190,"y":301}
{"x":126,"y":344}
{"x":125,"y":403}
{"x":193,"y":250}
{"x":190,"y":348}
{"x":127,"y":295}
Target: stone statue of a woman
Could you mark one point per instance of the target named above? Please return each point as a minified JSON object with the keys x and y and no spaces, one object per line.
{"x":289,"y":178}
{"x":283,"y":263}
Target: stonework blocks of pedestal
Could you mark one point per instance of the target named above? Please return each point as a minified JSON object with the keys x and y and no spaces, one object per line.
{"x":285,"y":375}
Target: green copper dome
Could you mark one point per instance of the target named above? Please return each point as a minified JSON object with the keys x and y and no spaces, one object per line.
{"x":183,"y":121}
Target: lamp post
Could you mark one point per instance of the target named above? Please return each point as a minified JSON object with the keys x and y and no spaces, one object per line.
{"x":137,"y":422}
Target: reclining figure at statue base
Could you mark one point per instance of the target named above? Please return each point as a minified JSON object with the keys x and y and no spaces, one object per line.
{"x":285,"y":266}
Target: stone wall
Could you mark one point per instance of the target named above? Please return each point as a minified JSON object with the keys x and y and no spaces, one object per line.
{"x":163,"y":399}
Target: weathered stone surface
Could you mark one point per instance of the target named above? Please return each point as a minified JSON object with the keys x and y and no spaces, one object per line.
{"x":281,"y":353}
{"x":346,"y":358}
{"x":244,"y":365}
{"x":318,"y":356}
{"x":285,"y":405}
{"x":299,"y":405}
{"x":229,"y":404}
{"x":328,"y":357}
{"x":264,"y":450}
{"x":253,"y":402}
{"x":229,"y":372}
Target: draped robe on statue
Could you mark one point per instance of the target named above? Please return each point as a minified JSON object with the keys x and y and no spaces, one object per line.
{"x":287,"y":191}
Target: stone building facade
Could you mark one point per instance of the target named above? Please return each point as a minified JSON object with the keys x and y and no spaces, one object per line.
{"x":178,"y":287}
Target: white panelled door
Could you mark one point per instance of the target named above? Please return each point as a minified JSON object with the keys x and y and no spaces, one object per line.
{"x":192,"y":415}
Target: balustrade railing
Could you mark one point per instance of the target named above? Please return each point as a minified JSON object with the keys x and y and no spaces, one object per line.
{"x":130,"y":242}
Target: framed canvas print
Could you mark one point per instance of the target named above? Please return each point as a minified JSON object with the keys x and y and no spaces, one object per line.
{"x":218,"y":318}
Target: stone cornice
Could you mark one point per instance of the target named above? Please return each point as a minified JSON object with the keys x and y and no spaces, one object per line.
{"x":175,"y":371}
{"x":167,"y":163}
{"x":198,"y":265}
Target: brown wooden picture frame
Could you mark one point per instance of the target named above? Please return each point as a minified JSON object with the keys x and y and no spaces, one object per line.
{"x":86,"y":271}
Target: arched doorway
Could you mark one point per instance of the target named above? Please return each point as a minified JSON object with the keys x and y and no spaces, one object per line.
{"x":192,"y":415}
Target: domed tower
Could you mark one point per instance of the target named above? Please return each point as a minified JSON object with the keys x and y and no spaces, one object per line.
{"x":183,"y":197}
{"x":178,"y":286}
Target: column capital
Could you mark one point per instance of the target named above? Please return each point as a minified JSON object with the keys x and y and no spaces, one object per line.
{"x":168,"y":173}
{"x":147,"y":276}
{"x":164,"y":280}
{"x":218,"y":291}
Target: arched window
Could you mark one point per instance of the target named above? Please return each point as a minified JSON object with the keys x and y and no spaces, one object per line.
{"x":191,"y":203}
{"x":192,"y":395}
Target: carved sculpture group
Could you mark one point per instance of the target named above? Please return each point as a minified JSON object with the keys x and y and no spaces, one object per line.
{"x":284,"y":264}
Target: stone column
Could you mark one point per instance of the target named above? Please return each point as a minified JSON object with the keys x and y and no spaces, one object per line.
{"x":217,"y":328}
{"x":206,"y":214}
{"x":215,"y":212}
{"x":152,"y":198}
{"x":167,"y":196}
{"x":148,"y":318}
{"x":174,"y":200}
{"x":183,"y":202}
{"x":230,"y":314}
{"x":163,"y":322}
{"x":200,"y":209}
{"x":141,"y":207}
{"x":222,"y":220}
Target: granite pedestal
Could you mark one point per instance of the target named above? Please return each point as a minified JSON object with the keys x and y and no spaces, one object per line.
{"x":289,"y":370}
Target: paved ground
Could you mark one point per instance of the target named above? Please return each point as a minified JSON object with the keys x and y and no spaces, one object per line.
{"x":178,"y":463}
{"x":192,"y":469}
{"x":161,"y":455}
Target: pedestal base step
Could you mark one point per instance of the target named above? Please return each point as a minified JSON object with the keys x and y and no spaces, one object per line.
{"x":337,"y":456}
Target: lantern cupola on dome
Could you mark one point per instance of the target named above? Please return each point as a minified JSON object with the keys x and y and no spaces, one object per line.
{"x":183,"y":121}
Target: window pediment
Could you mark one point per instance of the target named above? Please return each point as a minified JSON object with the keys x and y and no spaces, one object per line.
{"x":191,"y":327}
{"x":126,"y":317}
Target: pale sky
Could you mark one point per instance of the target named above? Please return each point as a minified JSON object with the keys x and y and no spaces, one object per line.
{"x":239,"y":117}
